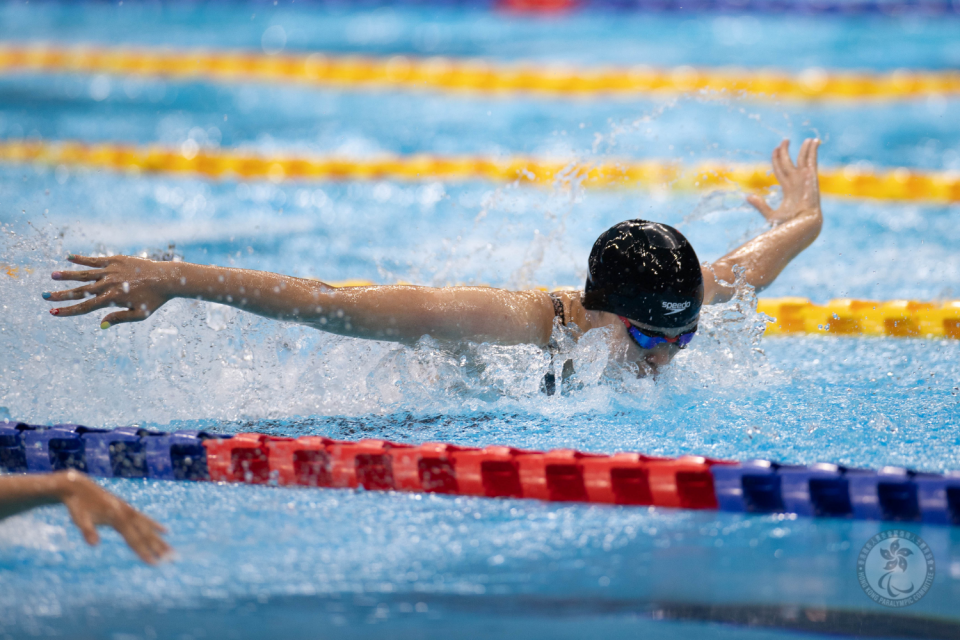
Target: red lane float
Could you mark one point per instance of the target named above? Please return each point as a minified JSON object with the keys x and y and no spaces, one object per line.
{"x":685,"y":482}
{"x":304,"y":461}
{"x":243,"y":458}
{"x":562,"y":475}
{"x":492,"y":472}
{"x":430,"y":467}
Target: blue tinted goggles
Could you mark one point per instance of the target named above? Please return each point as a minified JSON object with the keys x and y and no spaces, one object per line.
{"x":649,"y":342}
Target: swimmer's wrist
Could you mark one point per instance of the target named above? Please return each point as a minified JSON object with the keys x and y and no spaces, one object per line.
{"x":808,"y":212}
{"x":63,"y":484}
{"x":799,"y":214}
{"x":188,"y":280}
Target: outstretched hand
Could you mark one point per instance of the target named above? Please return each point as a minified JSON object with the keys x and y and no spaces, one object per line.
{"x":801,"y":189}
{"x":89,"y":506}
{"x":116,"y":281}
{"x":797,"y":223}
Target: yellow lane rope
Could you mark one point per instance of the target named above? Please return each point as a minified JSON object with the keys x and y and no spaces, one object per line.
{"x":896,"y":318}
{"x":474,"y":76}
{"x":896,"y":184}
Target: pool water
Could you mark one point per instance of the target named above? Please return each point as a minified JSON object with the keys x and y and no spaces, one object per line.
{"x":259,"y":560}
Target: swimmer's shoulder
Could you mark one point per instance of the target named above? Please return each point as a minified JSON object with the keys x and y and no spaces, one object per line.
{"x":576,"y":313}
{"x":573,"y":310}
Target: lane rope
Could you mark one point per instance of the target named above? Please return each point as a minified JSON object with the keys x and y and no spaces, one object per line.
{"x":899,"y":184}
{"x":561,"y":475}
{"x":848,"y":317}
{"x":475,"y":76}
{"x":814,"y":7}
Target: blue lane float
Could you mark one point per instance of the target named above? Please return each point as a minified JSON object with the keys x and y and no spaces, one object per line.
{"x":939,"y":497}
{"x":56,"y":448}
{"x":179,"y":455}
{"x":13,"y":458}
{"x":887,"y":494}
{"x":753,"y":486}
{"x":816,"y":490}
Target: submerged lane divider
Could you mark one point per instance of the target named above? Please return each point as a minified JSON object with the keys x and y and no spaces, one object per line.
{"x":562,"y":475}
{"x":474,"y":76}
{"x":904,"y":185}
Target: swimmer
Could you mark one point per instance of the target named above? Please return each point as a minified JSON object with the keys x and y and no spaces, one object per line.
{"x":645,"y":281}
{"x":89,"y":506}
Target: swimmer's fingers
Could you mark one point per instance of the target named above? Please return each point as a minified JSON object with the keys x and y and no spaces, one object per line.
{"x":803,"y":153}
{"x":761,"y":205}
{"x":78,"y":293}
{"x":92,"y":304}
{"x":151,"y":525}
{"x":151,"y":534}
{"x":781,"y":162}
{"x":127,"y":315}
{"x":84,"y":521}
{"x":145,"y":542}
{"x":79,"y":276}
{"x":142,"y":534}
{"x":85,"y":261}
{"x":811,"y":159}
{"x":803,"y":158}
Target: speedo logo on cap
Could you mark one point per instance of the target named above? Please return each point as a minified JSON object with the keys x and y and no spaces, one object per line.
{"x":674,"y":307}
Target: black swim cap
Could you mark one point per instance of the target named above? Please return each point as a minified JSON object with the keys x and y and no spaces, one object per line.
{"x":647,"y":272}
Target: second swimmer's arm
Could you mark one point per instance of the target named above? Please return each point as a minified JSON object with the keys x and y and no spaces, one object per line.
{"x":797,"y":222}
{"x":89,"y":506}
{"x":398,"y":313}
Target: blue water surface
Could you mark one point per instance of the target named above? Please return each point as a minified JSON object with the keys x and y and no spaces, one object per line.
{"x":258,"y":561}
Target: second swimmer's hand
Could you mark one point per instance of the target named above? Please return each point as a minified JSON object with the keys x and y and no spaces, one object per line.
{"x":137,"y":284}
{"x":801,"y":189}
{"x":90,"y":505}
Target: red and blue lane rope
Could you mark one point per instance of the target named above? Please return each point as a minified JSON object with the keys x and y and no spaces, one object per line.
{"x":810,"y":7}
{"x":561,"y":475}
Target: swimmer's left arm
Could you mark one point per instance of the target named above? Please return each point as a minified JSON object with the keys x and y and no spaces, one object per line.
{"x":796,"y":224}
{"x":89,"y":506}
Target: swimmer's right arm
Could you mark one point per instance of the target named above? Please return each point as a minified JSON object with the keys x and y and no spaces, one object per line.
{"x":796,"y":224}
{"x":398,"y":313}
{"x":89,"y":506}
